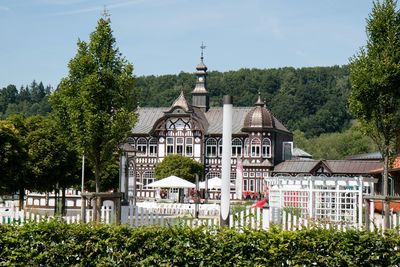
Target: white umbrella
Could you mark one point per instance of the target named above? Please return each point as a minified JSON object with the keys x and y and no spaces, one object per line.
{"x":172,"y":182}
{"x":215,"y":183}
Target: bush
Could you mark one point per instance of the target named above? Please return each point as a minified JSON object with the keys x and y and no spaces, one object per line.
{"x":59,"y":244}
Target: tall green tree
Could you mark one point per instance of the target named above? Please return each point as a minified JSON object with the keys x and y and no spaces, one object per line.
{"x":375,"y":80}
{"x":95,"y":103}
{"x":180,"y":166}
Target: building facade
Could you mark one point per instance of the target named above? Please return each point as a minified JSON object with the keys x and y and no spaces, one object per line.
{"x":194,"y":129}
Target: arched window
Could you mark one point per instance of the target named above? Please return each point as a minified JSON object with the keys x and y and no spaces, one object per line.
{"x":131,"y":141}
{"x":236,"y":147}
{"x":266,"y":148}
{"x":211,"y":148}
{"x":142,"y":145}
{"x":255,"y":147}
{"x":153,"y":147}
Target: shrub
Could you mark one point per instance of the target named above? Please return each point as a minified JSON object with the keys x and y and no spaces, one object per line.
{"x":59,"y":244}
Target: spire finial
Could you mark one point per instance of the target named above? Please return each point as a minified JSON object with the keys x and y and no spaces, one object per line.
{"x":259,"y":101}
{"x":202,"y":47}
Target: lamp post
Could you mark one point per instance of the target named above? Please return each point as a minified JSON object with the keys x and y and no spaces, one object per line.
{"x":129,"y":153}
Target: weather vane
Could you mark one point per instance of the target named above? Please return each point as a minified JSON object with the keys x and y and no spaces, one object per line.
{"x":202,"y":49}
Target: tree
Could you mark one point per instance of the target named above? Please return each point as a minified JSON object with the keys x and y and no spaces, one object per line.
{"x":180,"y":166}
{"x":13,"y":161}
{"x":375,"y":79}
{"x":53,"y":162}
{"x":94,"y":102}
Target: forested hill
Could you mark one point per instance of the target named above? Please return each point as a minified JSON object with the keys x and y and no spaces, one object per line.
{"x":313,"y":100}
{"x":29,"y":100}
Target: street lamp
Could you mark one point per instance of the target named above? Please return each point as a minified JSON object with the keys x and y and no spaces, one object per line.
{"x":128,"y":152}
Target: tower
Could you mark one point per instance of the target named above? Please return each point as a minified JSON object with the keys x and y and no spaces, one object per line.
{"x":200,"y":96}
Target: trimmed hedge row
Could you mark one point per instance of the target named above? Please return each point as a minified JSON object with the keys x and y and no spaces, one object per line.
{"x":60,"y":244}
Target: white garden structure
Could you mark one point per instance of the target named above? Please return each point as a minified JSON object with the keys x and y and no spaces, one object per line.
{"x":334,"y":199}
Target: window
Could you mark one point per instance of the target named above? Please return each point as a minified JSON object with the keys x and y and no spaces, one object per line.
{"x":255,"y":147}
{"x":236,"y":147}
{"x":179,"y":145}
{"x":245,"y":185}
{"x":220,"y":148}
{"x":213,"y":174}
{"x":211,"y":148}
{"x":142,"y":145}
{"x":251,"y":186}
{"x":153,"y":147}
{"x":287,"y":150}
{"x":170,"y":145}
{"x":266,"y":148}
{"x":189,"y":146}
{"x":148,"y":177}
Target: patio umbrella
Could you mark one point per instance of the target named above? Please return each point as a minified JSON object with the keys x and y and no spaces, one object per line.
{"x":215,"y":183}
{"x":172,"y":182}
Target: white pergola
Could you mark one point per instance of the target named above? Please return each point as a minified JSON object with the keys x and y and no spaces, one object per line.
{"x":336,"y":198}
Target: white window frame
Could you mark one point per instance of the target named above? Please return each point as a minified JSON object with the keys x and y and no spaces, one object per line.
{"x":211,"y":148}
{"x":169,"y":145}
{"x":266,"y":148}
{"x":189,"y":146}
{"x":141,"y":145}
{"x":153,"y":145}
{"x":255,"y":147}
{"x":236,"y":147}
{"x":180,"y":144}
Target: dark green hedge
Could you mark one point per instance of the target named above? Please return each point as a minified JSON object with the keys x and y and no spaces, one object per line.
{"x":59,"y":244}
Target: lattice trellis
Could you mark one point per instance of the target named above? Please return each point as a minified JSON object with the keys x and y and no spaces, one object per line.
{"x":336,"y":199}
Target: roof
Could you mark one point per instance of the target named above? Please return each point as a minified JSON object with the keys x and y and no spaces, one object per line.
{"x":300,"y":153}
{"x":181,"y":102}
{"x":334,"y":166}
{"x":366,"y":156}
{"x":215,"y":115}
{"x":148,"y":117}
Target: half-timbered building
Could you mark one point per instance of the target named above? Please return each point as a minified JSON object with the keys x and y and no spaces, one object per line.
{"x":194,"y":129}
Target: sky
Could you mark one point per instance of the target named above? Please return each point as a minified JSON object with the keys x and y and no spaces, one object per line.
{"x":38,"y":37}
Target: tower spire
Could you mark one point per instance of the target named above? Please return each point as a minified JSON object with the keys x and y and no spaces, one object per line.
{"x":199,"y":94}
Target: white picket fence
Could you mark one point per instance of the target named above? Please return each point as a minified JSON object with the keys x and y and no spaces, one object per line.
{"x":139,"y":216}
{"x":20,"y":217}
{"x":180,"y":208}
{"x":247,"y":218}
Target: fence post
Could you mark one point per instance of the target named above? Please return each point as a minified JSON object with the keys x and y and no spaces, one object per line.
{"x":366,"y":215}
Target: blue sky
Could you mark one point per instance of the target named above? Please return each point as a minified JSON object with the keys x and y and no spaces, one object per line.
{"x":38,"y":37}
